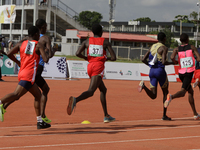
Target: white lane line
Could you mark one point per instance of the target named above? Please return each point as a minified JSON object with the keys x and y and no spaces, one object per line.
{"x":107,"y":142}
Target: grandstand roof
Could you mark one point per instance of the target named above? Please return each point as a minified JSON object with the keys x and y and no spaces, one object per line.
{"x":119,"y":36}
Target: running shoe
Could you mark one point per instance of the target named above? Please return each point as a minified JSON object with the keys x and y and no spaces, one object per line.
{"x":2,"y":111}
{"x":197,"y":117}
{"x":169,"y":98}
{"x":43,"y":125}
{"x":108,"y":119}
{"x":196,"y":83}
{"x":71,"y":105}
{"x":46,"y":120}
{"x":166,"y":118}
{"x":140,"y":86}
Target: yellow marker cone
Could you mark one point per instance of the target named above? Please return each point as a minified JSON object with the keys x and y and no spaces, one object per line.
{"x":85,"y":122}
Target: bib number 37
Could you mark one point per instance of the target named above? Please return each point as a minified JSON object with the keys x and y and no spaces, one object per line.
{"x":96,"y":50}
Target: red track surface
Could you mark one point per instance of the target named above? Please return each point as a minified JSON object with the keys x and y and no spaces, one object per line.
{"x":138,"y":122}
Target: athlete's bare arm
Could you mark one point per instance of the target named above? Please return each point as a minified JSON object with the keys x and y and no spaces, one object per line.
{"x":107,"y":45}
{"x":146,"y":56}
{"x":163,"y":50}
{"x":84,"y":45}
{"x":13,"y":51}
{"x":40,"y":50}
{"x":194,"y":49}
{"x":173,"y":55}
{"x":46,"y":41}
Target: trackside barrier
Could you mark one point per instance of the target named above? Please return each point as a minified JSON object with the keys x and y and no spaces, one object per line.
{"x":59,"y":67}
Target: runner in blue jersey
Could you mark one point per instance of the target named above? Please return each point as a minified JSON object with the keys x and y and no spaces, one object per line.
{"x":39,"y":80}
{"x":157,"y":59}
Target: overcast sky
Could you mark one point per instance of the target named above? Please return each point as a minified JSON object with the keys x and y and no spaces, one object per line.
{"x":125,"y":10}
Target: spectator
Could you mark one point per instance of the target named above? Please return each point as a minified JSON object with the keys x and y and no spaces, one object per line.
{"x":2,"y":45}
{"x":42,"y":2}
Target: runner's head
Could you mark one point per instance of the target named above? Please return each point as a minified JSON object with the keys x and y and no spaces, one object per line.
{"x":97,"y":29}
{"x":184,"y":38}
{"x":42,"y":25}
{"x":161,"y":37}
{"x":34,"y":33}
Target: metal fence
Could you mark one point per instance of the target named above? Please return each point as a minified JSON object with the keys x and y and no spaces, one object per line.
{"x":123,"y":52}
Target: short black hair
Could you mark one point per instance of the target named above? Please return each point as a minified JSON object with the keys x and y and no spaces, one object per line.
{"x":161,"y":36}
{"x":32,"y":31}
{"x":96,"y":28}
{"x":39,"y":23}
{"x":184,"y":37}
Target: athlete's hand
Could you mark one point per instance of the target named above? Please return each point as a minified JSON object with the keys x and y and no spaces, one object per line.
{"x":19,"y":64}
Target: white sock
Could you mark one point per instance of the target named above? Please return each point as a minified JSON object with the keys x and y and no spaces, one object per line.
{"x":0,"y":102}
{"x":39,"y":119}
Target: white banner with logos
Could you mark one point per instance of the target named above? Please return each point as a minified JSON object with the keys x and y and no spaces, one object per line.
{"x":7,"y":14}
{"x":56,"y":67}
{"x":122,"y":71}
{"x":77,"y":69}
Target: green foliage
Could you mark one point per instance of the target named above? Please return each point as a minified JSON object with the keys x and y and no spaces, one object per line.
{"x":184,"y":19}
{"x":154,"y":32}
{"x":144,"y":19}
{"x":192,"y":42}
{"x":169,"y":36}
{"x":194,"y":15}
{"x":88,"y":18}
{"x":174,"y":43}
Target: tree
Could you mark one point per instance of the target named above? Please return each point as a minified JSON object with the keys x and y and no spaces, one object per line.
{"x":144,"y":19}
{"x":184,"y":19}
{"x":169,"y":36}
{"x":88,"y":18}
{"x":194,"y":15}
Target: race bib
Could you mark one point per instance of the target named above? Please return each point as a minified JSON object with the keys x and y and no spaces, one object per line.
{"x":95,"y":50}
{"x":30,"y":48}
{"x":186,"y":62}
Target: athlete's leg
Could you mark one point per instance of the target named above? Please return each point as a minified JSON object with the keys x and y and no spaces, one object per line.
{"x":103,"y":91}
{"x":94,"y":83}
{"x":191,"y":101}
{"x":39,"y":80}
{"x":19,"y":92}
{"x":34,"y":90}
{"x":45,"y":91}
{"x":7,"y":104}
{"x":152,"y":93}
{"x":165,"y":92}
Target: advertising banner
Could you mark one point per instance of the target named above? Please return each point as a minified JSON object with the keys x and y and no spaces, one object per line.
{"x":125,"y":71}
{"x":6,"y":65}
{"x":77,"y":69}
{"x":56,"y":67}
{"x":7,"y":14}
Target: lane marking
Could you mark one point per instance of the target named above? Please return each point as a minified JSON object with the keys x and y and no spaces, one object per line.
{"x":94,"y":143}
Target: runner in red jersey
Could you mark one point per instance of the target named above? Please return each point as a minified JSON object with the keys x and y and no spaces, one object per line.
{"x":186,"y":63}
{"x":30,"y":51}
{"x":96,"y":56}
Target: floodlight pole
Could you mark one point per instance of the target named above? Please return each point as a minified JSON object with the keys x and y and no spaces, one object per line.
{"x":112,"y":4}
{"x":197,"y":24}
